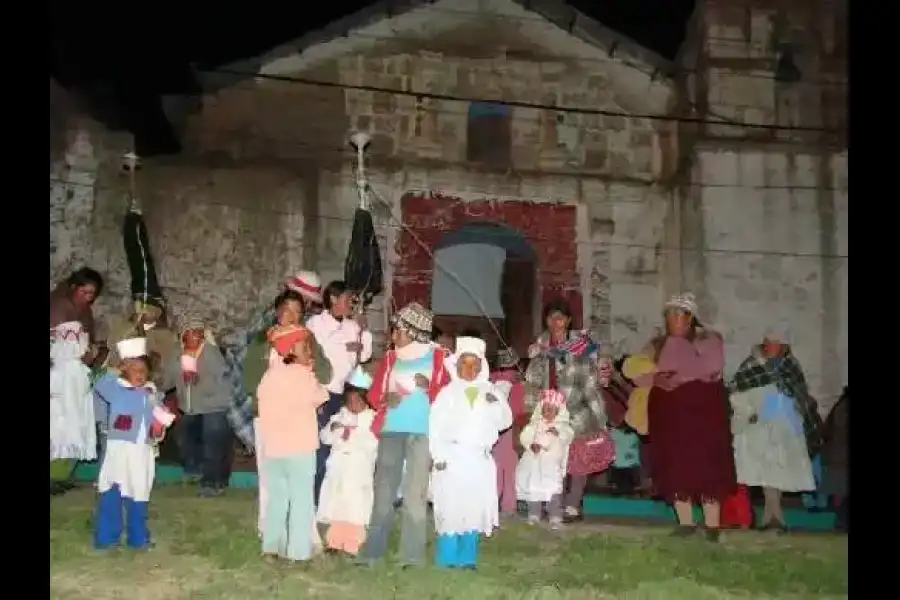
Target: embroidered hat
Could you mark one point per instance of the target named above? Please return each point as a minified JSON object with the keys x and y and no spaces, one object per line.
{"x":553,"y":398}
{"x":507,"y":358}
{"x":416,"y":320}
{"x":685,"y":302}
{"x":307,"y":284}
{"x":132,"y":348}
{"x":360,"y":379}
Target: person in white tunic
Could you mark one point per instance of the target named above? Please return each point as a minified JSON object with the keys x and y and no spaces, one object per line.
{"x":348,"y":490}
{"x":773,"y":419}
{"x":135,"y":417}
{"x":465,"y":422}
{"x":541,"y":471}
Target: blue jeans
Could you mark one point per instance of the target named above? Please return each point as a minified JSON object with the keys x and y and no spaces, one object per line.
{"x":205,"y":444}
{"x":331,"y":407}
{"x":393,"y":450}
{"x":290,"y":511}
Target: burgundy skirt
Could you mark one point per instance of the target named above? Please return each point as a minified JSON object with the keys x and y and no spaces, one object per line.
{"x":691,"y":453}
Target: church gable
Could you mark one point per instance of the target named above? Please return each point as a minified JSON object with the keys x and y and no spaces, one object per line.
{"x":548,"y":34}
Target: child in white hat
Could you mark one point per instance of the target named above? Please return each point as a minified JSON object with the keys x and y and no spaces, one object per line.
{"x":348,"y":491}
{"x":135,"y":417}
{"x":464,"y":425}
{"x":542,"y":468}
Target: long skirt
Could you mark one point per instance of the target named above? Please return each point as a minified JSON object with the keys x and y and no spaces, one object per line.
{"x":692,"y":457}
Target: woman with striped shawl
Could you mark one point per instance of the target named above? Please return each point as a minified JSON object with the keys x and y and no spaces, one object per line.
{"x":776,"y":426}
{"x":565,"y":360}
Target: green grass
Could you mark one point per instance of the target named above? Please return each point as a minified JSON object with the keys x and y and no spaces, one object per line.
{"x":207,"y":548}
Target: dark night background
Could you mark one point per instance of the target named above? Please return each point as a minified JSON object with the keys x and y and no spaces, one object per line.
{"x":124,"y":60}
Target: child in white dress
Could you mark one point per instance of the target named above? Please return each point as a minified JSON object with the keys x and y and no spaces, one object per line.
{"x":345,"y":503}
{"x":542,"y":469}
{"x":465,"y":422}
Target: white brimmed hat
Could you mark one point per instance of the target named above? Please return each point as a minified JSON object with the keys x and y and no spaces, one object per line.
{"x":132,"y":348}
{"x":307,"y":284}
{"x":360,"y":379}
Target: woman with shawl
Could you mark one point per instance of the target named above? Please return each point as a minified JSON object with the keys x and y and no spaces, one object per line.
{"x":687,"y":415}
{"x":563,"y":360}
{"x":73,"y":434}
{"x":775,"y":424}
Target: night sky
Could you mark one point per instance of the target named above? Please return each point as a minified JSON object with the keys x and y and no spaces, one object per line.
{"x":131,"y":60}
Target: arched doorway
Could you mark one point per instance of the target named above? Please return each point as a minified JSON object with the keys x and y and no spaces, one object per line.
{"x":549,"y":229}
{"x":485,"y":279}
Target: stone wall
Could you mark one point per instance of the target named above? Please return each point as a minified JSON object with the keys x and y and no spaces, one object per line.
{"x":736,"y":51}
{"x":770,"y":252}
{"x":762,"y":219}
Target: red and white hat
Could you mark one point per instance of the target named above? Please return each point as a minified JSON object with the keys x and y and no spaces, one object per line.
{"x":307,"y":284}
{"x":553,"y":398}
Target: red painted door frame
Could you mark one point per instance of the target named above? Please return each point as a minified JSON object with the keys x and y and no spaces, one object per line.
{"x":549,"y":228}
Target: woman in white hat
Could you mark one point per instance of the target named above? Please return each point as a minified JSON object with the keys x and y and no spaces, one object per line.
{"x":688,"y":421}
{"x":404,"y":387}
{"x":464,"y":425}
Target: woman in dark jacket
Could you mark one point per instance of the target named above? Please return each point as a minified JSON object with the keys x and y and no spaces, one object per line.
{"x":835,"y":458}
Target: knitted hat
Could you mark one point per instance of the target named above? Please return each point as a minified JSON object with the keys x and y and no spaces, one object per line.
{"x":507,"y":358}
{"x":415,"y":320}
{"x":307,"y":284}
{"x":685,"y":302}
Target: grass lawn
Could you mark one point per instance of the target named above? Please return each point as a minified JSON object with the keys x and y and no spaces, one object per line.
{"x":207,"y":548}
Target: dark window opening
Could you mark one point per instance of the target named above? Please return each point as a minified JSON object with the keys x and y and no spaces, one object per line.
{"x":489,"y":134}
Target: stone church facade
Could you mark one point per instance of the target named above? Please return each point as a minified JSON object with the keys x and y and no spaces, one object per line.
{"x":630,"y":176}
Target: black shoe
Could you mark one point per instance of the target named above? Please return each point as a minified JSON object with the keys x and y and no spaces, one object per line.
{"x":683,"y":531}
{"x":711,"y":535}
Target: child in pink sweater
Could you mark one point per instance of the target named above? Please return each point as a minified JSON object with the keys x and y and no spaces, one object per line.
{"x":288,"y":398}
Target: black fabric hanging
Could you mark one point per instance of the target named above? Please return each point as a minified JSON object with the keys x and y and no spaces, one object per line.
{"x":144,"y":283}
{"x":362,"y":269}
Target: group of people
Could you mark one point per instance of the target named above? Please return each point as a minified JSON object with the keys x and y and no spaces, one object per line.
{"x":339,"y":437}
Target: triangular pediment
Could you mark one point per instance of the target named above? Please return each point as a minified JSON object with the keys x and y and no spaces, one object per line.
{"x":538,"y":31}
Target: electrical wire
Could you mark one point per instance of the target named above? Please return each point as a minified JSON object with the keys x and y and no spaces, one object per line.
{"x":521,"y":104}
{"x":418,"y":108}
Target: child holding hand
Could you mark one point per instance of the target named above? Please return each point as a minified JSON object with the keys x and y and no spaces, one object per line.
{"x":542,"y":468}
